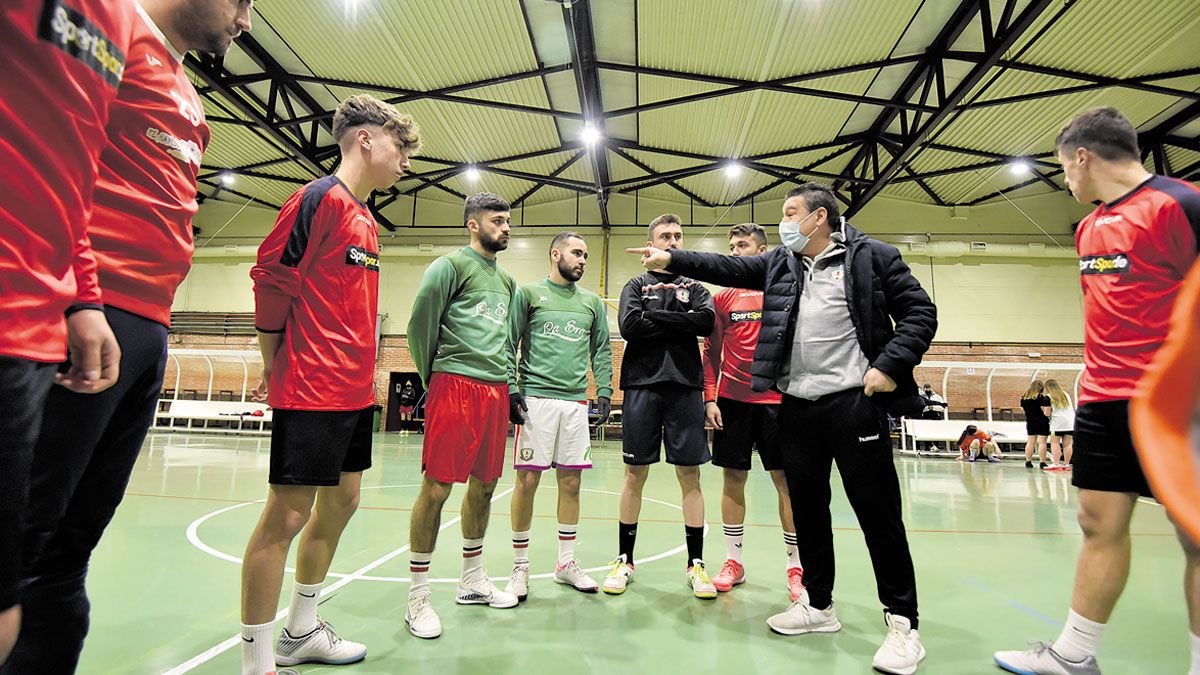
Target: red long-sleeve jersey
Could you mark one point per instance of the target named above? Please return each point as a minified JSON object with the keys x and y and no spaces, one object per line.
{"x":63,"y":61}
{"x":729,"y":351}
{"x":141,"y":227}
{"x":317,"y":281}
{"x":1133,"y":256}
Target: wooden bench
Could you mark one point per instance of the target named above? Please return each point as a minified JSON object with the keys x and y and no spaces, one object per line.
{"x":201,"y":416}
{"x":949,"y":431}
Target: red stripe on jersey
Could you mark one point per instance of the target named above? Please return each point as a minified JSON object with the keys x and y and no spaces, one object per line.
{"x":317,"y":280}
{"x":141,"y":229}
{"x":1133,"y":256}
{"x":62,"y":62}
{"x":729,"y":352}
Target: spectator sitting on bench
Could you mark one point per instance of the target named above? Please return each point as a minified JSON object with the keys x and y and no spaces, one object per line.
{"x":935,"y":409}
{"x":974,"y":442}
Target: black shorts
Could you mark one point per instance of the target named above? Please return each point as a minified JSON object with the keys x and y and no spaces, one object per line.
{"x":1104,"y":457}
{"x":1062,"y":434}
{"x":1037,"y":427}
{"x":24,"y":385}
{"x":315,"y":447}
{"x":747,"y":426}
{"x":665,"y":412}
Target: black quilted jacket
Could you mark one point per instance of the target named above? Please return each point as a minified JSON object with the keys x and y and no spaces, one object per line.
{"x":893,"y":316}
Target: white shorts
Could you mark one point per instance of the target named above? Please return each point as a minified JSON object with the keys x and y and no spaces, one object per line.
{"x":556,"y":434}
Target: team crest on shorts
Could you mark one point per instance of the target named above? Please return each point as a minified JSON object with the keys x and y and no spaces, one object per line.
{"x":683,"y":294}
{"x":526,"y":454}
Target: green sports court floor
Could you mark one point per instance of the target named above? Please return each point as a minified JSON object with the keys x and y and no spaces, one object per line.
{"x":994,"y":546}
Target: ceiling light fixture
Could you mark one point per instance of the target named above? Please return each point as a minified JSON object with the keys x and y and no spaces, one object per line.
{"x":1018,"y":167}
{"x":733,"y":170}
{"x":590,"y":135}
{"x":227,"y":178}
{"x":472,"y":173}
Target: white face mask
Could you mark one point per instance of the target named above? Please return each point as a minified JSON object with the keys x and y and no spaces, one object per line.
{"x":791,"y":236}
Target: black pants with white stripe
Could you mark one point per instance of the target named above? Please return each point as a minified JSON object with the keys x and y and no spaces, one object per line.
{"x":848,"y":429}
{"x":85,"y":452}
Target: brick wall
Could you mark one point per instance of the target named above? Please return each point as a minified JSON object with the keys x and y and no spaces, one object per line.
{"x":964,"y":393}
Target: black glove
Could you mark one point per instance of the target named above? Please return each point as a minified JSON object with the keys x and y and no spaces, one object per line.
{"x":604,"y":409}
{"x":517,"y":408}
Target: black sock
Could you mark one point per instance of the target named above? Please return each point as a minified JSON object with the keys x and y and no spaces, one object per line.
{"x":626,"y":534}
{"x":694,"y":536}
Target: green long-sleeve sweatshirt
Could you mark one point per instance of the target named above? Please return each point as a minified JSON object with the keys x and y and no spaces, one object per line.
{"x":560,"y":330}
{"x":460,"y":320}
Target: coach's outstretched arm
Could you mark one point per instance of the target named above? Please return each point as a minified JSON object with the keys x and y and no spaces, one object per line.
{"x":724,"y":270}
{"x":425,"y":322}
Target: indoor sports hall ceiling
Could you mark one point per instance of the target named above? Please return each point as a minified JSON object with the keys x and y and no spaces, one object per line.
{"x":702,"y":102}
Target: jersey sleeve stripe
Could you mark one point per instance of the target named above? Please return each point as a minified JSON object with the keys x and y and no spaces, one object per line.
{"x":297,"y":242}
{"x":1188,"y":198}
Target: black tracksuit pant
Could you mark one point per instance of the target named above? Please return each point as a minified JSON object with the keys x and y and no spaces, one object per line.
{"x":848,"y":429}
{"x":85,"y":452}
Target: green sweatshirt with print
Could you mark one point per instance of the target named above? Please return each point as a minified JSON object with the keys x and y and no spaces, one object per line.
{"x":560,"y":329}
{"x":460,"y":319}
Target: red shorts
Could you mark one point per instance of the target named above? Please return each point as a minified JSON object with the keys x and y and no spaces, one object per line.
{"x":466,"y":424}
{"x":407,"y":409}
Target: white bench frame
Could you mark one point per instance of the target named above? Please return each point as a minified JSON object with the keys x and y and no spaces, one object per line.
{"x":208,"y":410}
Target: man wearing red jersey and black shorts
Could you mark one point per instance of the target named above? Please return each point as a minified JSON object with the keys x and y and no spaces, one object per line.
{"x":316,"y":291}
{"x":1135,"y":249}
{"x":141,"y":233}
{"x":745,"y":420}
{"x":63,"y":60}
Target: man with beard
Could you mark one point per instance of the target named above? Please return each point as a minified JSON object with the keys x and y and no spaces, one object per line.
{"x":559,"y":327}
{"x":460,"y":339}
{"x":141,"y":233}
{"x":316,"y":296}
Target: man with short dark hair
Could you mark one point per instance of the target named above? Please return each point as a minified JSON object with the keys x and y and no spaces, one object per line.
{"x":662,"y":315}
{"x":1135,"y":248}
{"x":844,"y":324}
{"x":560,"y":328}
{"x":460,"y":338}
{"x":316,"y":296}
{"x":744,"y":420}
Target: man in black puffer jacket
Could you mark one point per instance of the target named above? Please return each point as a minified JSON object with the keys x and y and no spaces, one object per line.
{"x":844,"y":324}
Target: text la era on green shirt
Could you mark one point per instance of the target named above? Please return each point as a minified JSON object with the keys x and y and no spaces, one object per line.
{"x":460,"y":321}
{"x":560,"y":330}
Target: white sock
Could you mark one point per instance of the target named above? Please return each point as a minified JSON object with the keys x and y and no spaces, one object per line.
{"x":1080,"y":638}
{"x":733,"y":541}
{"x":793,"y":551}
{"x":1195,"y":640}
{"x":302,"y":615}
{"x":418,"y":571}
{"x":258,"y":648}
{"x":521,"y":548}
{"x":566,"y":543}
{"x":472,"y":556}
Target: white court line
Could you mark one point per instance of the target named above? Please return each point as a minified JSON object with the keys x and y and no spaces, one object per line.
{"x":193,"y":537}
{"x":224,"y":646}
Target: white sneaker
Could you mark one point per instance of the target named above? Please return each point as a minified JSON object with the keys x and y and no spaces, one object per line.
{"x":697,"y":578}
{"x":478,"y":589}
{"x":902,"y":649}
{"x":319,"y":645}
{"x":1043,"y":660}
{"x":803,"y":618}
{"x":619,"y":576}
{"x":518,"y":582}
{"x":421,"y":619}
{"x":570,"y":575}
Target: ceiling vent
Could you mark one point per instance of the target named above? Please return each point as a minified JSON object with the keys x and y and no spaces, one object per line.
{"x":979,"y":247}
{"x":425,"y":248}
